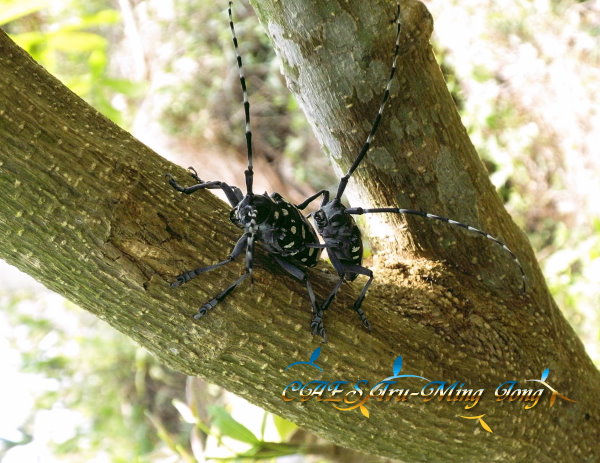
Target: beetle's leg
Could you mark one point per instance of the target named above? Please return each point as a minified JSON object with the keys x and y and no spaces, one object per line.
{"x":339,"y":268}
{"x":343,"y":270}
{"x":368,"y":273}
{"x":187,"y":276}
{"x":233,"y":193}
{"x":219,"y":297}
{"x":247,"y":241}
{"x":194,"y":174}
{"x":309,"y":200}
{"x":316,"y":324}
{"x":334,"y":291}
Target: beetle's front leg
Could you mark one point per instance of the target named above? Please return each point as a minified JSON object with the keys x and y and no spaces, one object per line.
{"x":189,"y":275}
{"x":233,"y":193}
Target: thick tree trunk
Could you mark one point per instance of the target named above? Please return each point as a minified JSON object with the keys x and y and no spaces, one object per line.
{"x":86,"y":210}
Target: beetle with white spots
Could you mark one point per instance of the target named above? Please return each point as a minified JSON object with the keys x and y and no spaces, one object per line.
{"x":338,"y":228}
{"x":267,"y":219}
{"x":289,"y":237}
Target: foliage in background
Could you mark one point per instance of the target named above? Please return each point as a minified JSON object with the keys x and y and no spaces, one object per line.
{"x":527,"y":78}
{"x":71,"y":40}
{"x":90,"y":386}
{"x":205,"y":100}
{"x":88,"y":382}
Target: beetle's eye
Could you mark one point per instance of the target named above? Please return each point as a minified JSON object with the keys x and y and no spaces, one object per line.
{"x":234,"y":217}
{"x":336,"y":220}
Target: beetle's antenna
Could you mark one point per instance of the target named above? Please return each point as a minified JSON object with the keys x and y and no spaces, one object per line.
{"x":249,"y":173}
{"x":251,"y":234}
{"x":360,"y":211}
{"x":375,"y":126}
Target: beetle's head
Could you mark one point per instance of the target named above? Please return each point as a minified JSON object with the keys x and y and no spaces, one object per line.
{"x":331,"y":217}
{"x":253,"y":208}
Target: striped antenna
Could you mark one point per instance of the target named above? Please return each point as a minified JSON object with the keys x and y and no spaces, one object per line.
{"x":249,"y":172}
{"x":251,"y":234}
{"x":360,"y":210}
{"x":375,"y":126}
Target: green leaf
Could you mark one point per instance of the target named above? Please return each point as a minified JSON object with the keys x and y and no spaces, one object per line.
{"x":70,"y":41}
{"x":284,"y":427}
{"x":269,"y":450}
{"x":124,"y":86}
{"x":28,"y":41}
{"x":97,"y":61}
{"x":229,"y":427}
{"x":101,"y":18}
{"x":16,"y":9}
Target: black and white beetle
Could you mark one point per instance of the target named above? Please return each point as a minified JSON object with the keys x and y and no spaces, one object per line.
{"x":287,"y":234}
{"x":280,"y":226}
{"x":342,"y":236}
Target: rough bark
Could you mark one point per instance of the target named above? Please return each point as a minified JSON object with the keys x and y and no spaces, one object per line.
{"x":86,"y":210}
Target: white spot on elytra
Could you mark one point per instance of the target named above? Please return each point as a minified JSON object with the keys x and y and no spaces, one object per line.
{"x":290,"y":245}
{"x":293,"y":230}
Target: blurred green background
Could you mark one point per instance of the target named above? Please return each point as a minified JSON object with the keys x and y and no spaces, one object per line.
{"x":525,"y":76}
